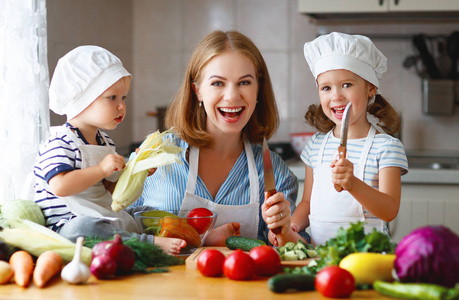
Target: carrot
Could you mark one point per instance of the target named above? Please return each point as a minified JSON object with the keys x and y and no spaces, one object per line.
{"x":22,"y":264}
{"x":48,"y":264}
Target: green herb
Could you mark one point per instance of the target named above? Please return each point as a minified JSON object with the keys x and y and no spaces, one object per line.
{"x":146,"y":256}
{"x":345,"y":242}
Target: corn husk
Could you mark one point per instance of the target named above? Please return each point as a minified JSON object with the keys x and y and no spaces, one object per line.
{"x":36,"y":239}
{"x":153,"y":153}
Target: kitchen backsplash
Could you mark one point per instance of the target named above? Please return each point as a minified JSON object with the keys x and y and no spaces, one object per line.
{"x":154,"y":38}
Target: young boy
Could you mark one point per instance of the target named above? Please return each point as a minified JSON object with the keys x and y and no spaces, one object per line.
{"x":77,"y":168}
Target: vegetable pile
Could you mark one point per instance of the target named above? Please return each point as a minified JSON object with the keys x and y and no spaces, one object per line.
{"x":345,"y":242}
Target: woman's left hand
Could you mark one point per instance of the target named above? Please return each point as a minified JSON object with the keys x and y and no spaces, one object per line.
{"x":343,"y":173}
{"x":276,"y":212}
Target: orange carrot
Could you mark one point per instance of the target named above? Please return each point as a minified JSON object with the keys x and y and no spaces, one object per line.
{"x":22,"y":264}
{"x":48,"y":264}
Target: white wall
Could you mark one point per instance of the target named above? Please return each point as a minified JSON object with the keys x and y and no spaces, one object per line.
{"x":154,"y":38}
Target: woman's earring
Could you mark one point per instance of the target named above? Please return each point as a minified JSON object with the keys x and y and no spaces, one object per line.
{"x":200,"y":103}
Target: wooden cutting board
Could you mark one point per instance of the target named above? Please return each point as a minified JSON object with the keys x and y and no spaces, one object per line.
{"x":191,"y":261}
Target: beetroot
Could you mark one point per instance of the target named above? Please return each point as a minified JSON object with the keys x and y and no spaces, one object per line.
{"x":122,"y":255}
{"x":103,"y":267}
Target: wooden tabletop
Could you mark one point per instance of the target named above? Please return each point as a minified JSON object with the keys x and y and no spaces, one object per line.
{"x":178,"y":283}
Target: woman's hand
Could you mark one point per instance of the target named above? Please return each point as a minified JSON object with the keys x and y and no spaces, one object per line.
{"x":150,"y":171}
{"x":276,"y":212}
{"x":343,"y":173}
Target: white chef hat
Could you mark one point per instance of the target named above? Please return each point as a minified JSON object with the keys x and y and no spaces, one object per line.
{"x":355,"y":53}
{"x":80,"y":77}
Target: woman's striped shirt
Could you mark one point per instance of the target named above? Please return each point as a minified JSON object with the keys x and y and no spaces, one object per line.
{"x":165,"y":189}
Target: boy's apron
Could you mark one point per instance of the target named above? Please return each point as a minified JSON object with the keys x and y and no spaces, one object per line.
{"x":330,"y":209}
{"x":96,"y":201}
{"x":246,"y":215}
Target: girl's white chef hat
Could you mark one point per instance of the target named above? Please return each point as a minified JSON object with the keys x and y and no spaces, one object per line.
{"x":80,"y":77}
{"x":355,"y":53}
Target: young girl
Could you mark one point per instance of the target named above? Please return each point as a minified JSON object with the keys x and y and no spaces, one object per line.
{"x":77,"y":168}
{"x":347,"y":69}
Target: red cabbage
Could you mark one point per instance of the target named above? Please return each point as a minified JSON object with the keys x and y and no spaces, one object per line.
{"x":428,"y":254}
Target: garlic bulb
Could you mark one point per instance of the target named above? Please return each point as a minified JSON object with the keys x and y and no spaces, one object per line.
{"x":76,"y":271}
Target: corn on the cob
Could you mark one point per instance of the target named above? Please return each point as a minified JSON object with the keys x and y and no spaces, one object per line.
{"x":36,"y":239}
{"x":154,"y":152}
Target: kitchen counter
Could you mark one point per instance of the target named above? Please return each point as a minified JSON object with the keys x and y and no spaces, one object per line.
{"x":414,"y":175}
{"x":179,"y":283}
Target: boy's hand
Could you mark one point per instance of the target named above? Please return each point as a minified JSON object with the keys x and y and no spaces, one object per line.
{"x":112,"y":163}
{"x":343,"y":173}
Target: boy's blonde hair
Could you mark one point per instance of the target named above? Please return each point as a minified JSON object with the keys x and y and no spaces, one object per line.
{"x":189,"y":119}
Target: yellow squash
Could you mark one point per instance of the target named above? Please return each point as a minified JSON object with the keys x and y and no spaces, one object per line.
{"x":368,"y":267}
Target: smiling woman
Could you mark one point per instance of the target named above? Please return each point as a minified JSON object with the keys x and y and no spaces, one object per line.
{"x":220,"y":115}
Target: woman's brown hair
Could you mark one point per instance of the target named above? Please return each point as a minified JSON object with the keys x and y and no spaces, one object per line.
{"x":388,"y":117}
{"x":189,"y":119}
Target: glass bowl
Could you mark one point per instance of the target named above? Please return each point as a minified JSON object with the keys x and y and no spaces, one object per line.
{"x":176,"y":224}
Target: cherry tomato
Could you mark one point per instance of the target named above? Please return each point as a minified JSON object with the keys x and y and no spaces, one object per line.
{"x":239,"y":266}
{"x":267,"y":260}
{"x":199,"y":223}
{"x":334,"y":282}
{"x":210,"y":262}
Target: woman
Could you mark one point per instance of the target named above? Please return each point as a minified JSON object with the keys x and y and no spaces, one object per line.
{"x":220,"y":115}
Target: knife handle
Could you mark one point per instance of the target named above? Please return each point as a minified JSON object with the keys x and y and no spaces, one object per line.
{"x":269,"y":193}
{"x":342,"y":154}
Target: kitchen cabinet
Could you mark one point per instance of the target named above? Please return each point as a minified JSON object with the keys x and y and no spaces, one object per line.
{"x":354,"y":6}
{"x":381,"y":8}
{"x":423,"y":205}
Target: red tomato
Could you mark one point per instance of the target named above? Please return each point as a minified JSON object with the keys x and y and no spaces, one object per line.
{"x":200,"y":224}
{"x":334,"y":282}
{"x":267,"y":260}
{"x":239,"y":266}
{"x":210,"y":262}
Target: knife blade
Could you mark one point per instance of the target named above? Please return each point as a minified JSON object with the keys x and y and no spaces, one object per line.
{"x":270,"y":184}
{"x":343,"y":138}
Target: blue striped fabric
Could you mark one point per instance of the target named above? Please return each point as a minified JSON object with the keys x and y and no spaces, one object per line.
{"x":386,"y":151}
{"x":165,"y":189}
{"x":58,"y":154}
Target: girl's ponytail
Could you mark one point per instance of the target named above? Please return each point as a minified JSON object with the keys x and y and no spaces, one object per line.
{"x":388,"y":117}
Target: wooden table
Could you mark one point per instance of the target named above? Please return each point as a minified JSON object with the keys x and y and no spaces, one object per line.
{"x":179,"y":283}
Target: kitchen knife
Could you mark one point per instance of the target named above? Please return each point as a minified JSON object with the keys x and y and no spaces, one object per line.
{"x":343,"y":137}
{"x":270,"y":185}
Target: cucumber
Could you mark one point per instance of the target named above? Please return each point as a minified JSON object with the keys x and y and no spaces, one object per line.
{"x":298,"y":282}
{"x":243,"y":243}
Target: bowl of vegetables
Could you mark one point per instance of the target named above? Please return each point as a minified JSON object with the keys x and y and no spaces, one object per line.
{"x":193,"y":226}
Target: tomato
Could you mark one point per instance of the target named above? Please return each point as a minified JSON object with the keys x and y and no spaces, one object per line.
{"x":334,"y":282}
{"x":199,"y":223}
{"x":239,"y":266}
{"x":210,"y":262}
{"x":267,"y":260}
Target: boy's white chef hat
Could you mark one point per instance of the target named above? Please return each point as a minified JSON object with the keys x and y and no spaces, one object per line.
{"x":355,"y":53}
{"x":80,"y":77}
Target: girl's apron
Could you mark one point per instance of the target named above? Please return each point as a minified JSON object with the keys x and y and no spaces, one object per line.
{"x":330,"y":209}
{"x":96,"y":201}
{"x":246,"y":215}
